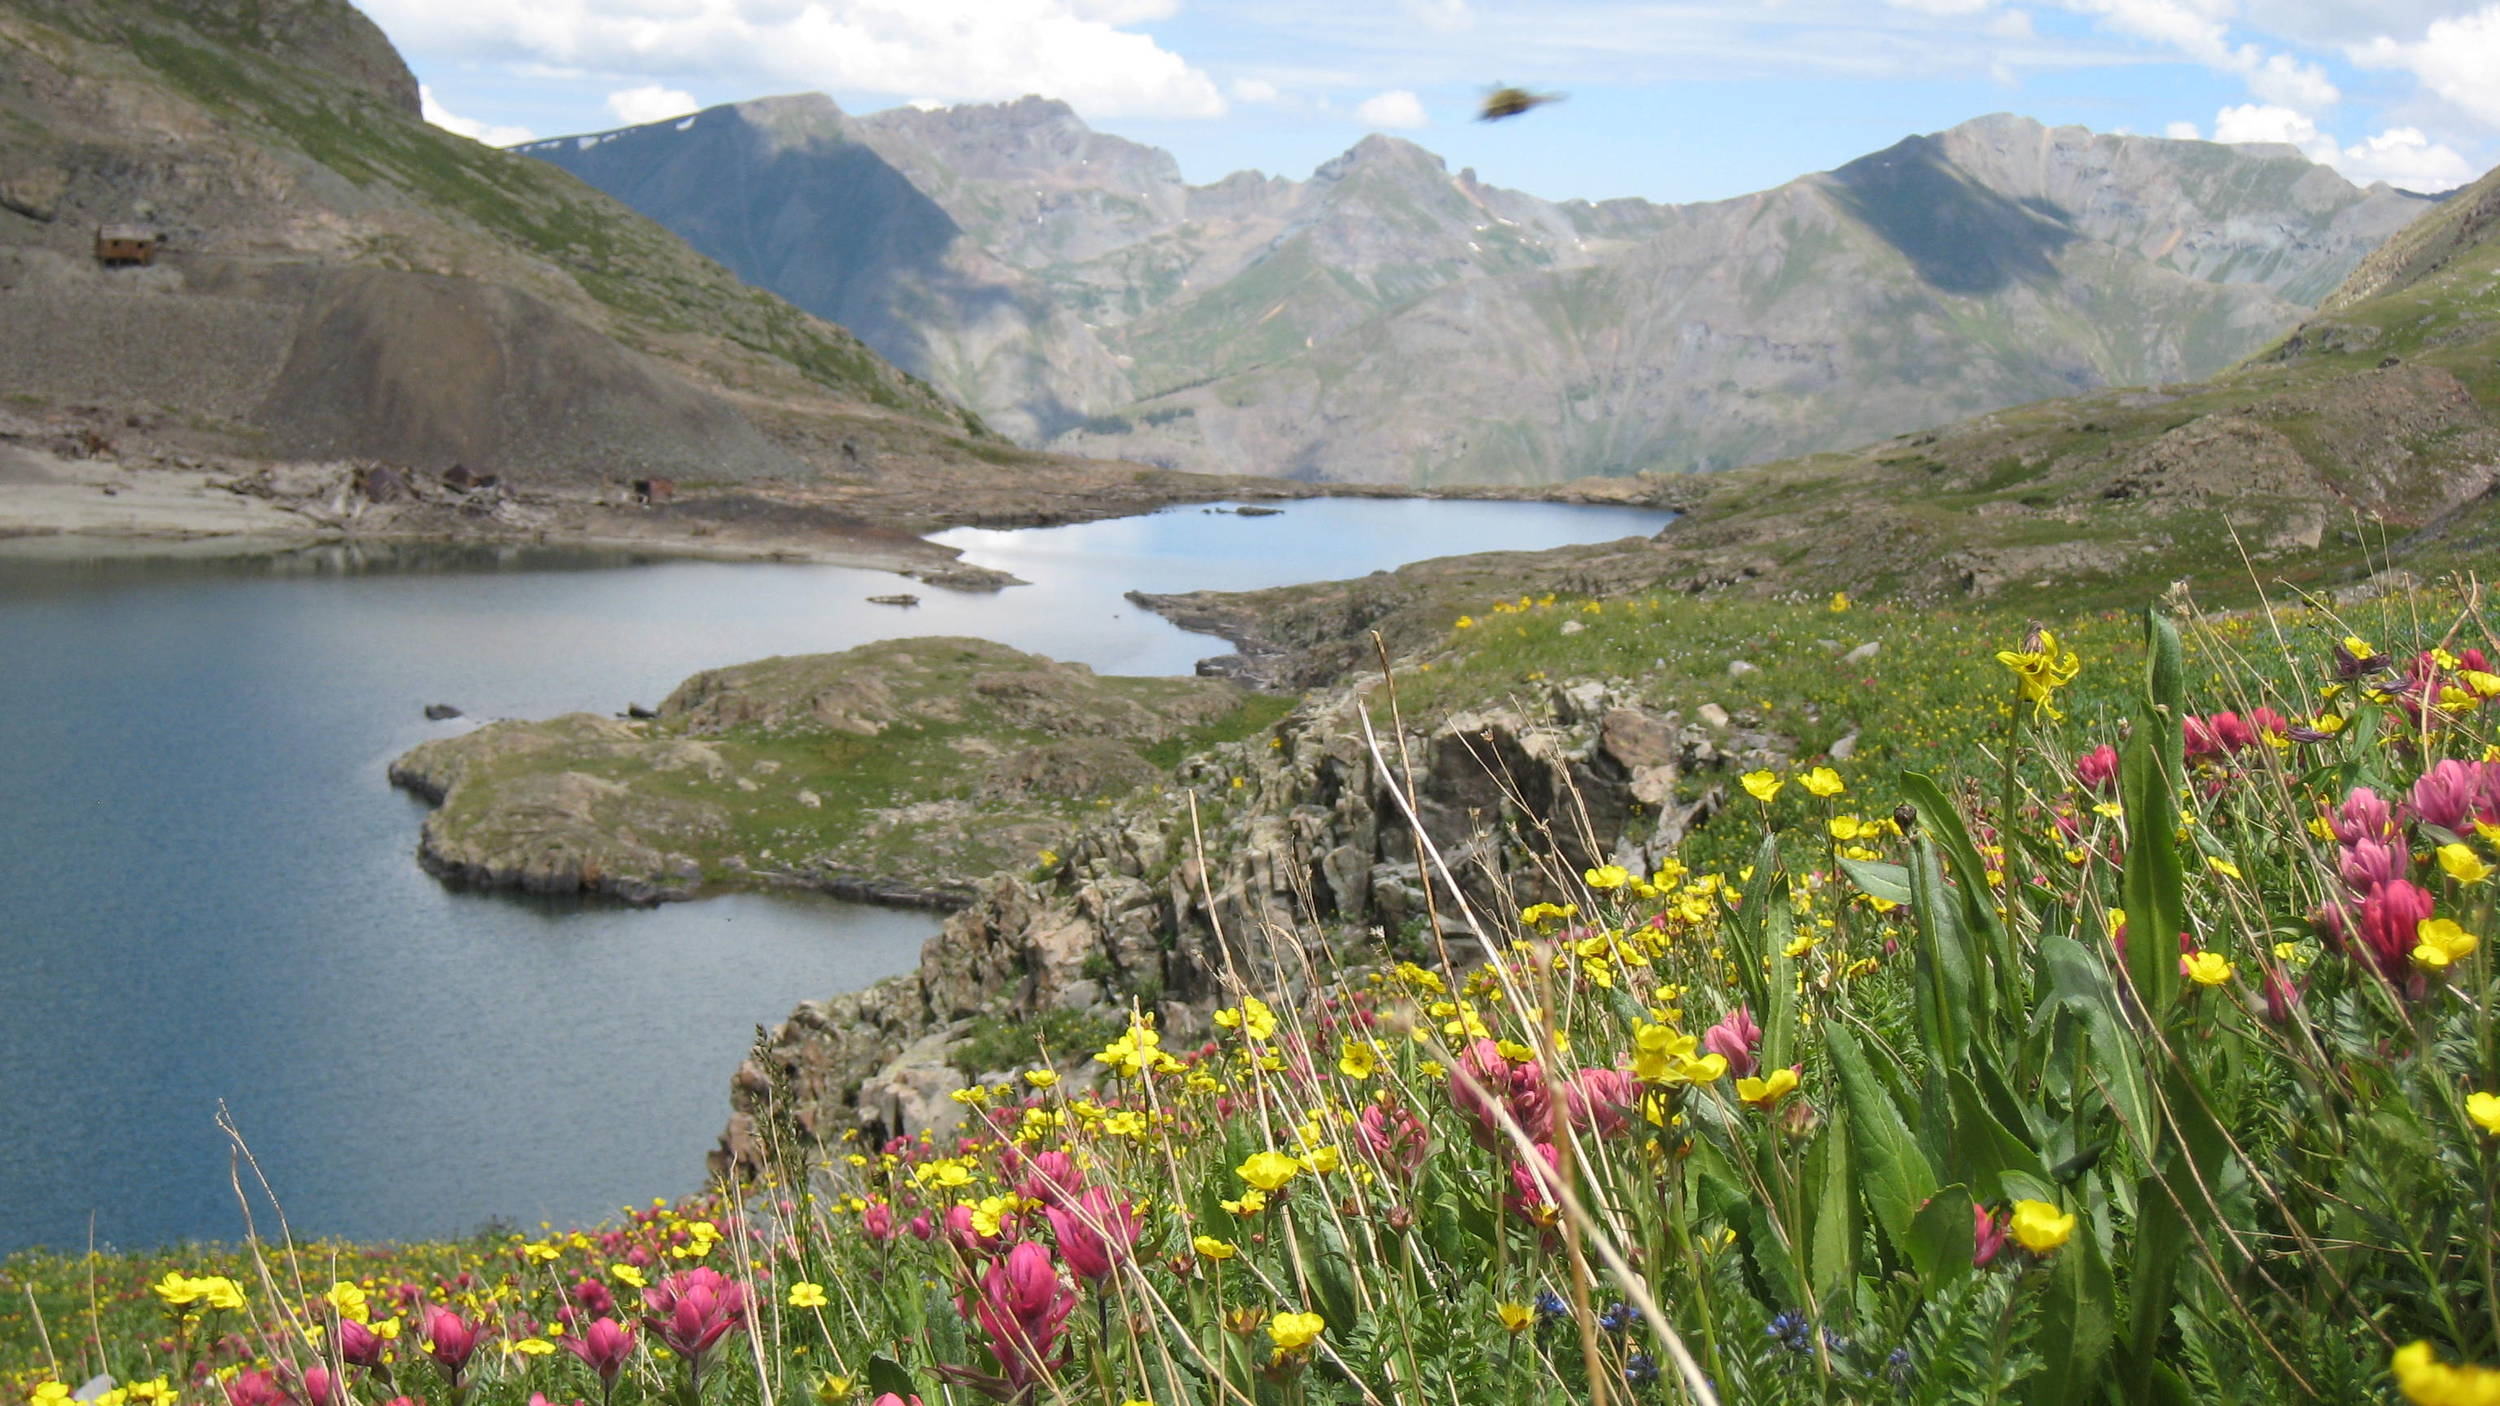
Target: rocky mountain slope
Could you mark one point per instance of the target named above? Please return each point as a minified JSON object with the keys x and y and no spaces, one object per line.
{"x":1388,"y":321}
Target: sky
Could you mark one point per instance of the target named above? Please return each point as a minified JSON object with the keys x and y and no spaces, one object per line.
{"x":1668,"y":100}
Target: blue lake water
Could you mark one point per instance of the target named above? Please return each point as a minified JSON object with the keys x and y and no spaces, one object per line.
{"x":208,"y":892}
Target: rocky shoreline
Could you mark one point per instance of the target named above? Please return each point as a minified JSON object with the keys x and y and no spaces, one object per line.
{"x":83,"y":483}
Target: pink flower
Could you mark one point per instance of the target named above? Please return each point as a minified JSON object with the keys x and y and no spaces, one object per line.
{"x":2097,"y":770}
{"x":1987,"y":1236}
{"x":540,"y":1398}
{"x":449,"y":1339}
{"x":255,"y":1389}
{"x":594,"y":1297}
{"x":1535,"y":1184}
{"x":693,"y":1310}
{"x":604,"y":1347}
{"x":967,"y":1237}
{"x":2269,"y":723}
{"x":1484,"y":1084}
{"x":890,"y":1399}
{"x":2389,"y":917}
{"x":1051,"y":1177}
{"x":2232,"y":734}
{"x":1023,"y":1306}
{"x":321,"y":1387}
{"x":1394,"y":1137}
{"x":1600,"y":1100}
{"x":1095,"y":1232}
{"x":2198,"y":734}
{"x":2283,"y":996}
{"x":1734,"y":1039}
{"x":878,"y":1222}
{"x":2446,"y":795}
{"x":920,"y":1227}
{"x":2362,"y":816}
{"x":359,"y":1346}
{"x":2365,"y":864}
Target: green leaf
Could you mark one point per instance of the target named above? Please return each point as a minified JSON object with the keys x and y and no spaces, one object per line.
{"x":2078,"y":1322}
{"x":1943,"y":1237}
{"x":887,"y":1375}
{"x":1889,"y":882}
{"x":2153,"y":885}
{"x":1942,"y":980}
{"x":1832,"y":1242}
{"x":1893,"y":1172}
{"x":1326,"y":1267}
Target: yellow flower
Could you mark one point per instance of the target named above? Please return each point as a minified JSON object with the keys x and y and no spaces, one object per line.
{"x":1041,"y":1078}
{"x":1359,"y":1059}
{"x":1325,"y":1159}
{"x":1823,"y":782}
{"x":177,"y":1290}
{"x":50,"y":1394}
{"x":2042,"y":669}
{"x":1766,"y":1093}
{"x":2442,"y":943}
{"x":217,"y":1291}
{"x":2207,"y":968}
{"x":1840,"y":601}
{"x":348,"y":1301}
{"x":2463,"y":864}
{"x":626,"y":1274}
{"x":1762,"y":785}
{"x":2221,"y":866}
{"x":530,"y":1347}
{"x":1135,"y":1052}
{"x":2484,"y":1109}
{"x":1268,"y":1170}
{"x":1466,"y":622}
{"x":2039,"y":1228}
{"x":1250,"y":1204}
{"x":1607,"y":876}
{"x":2426,"y":1381}
{"x":1213,"y":1248}
{"x":1515,"y":1316}
{"x":1295,"y":1331}
{"x":806,"y":1295}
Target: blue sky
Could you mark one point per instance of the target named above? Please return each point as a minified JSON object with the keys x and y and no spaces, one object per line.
{"x":1689,"y":100}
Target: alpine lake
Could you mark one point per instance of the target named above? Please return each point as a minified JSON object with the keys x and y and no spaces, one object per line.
{"x":212,"y":901}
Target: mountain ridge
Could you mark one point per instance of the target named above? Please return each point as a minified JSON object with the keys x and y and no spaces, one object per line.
{"x":1262,"y":323}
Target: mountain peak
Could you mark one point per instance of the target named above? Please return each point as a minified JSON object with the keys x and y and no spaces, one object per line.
{"x":1377,"y":152}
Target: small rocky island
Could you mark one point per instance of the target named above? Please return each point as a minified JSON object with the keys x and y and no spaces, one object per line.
{"x":897,"y":772}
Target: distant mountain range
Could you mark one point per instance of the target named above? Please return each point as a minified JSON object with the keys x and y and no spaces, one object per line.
{"x":1388,"y":321}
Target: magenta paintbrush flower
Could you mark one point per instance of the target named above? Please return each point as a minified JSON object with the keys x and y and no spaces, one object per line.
{"x":359,"y":1346}
{"x":1734,"y":1039}
{"x":1394,"y":1137}
{"x":1601,"y":1100}
{"x":451,"y":1340}
{"x":1095,"y":1232}
{"x":604,"y":1347}
{"x":1023,"y":1307}
{"x":255,"y":1389}
{"x":1987,"y":1236}
{"x":693,"y":1310}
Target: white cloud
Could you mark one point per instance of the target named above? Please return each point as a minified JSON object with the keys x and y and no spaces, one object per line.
{"x":449,"y":121}
{"x":2181,"y":132}
{"x":2458,"y":58}
{"x":2012,"y":24}
{"x":1396,"y":108}
{"x":2287,"y":81}
{"x":650,"y":103}
{"x":1253,"y":90}
{"x":2400,"y":155}
{"x":960,"y":50}
{"x":1441,"y":14}
{"x":1943,"y":7}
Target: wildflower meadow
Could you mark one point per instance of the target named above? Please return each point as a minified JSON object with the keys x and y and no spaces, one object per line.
{"x":2141,"y":1052}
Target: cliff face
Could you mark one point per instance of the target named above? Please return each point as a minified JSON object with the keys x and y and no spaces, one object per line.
{"x":1388,"y":320}
{"x":338,"y":278}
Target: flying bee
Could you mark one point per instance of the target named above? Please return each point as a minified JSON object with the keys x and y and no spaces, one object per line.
{"x":1503,"y":101}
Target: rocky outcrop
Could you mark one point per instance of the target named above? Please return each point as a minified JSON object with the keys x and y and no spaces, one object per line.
{"x":1303,"y":836}
{"x":900,"y":772}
